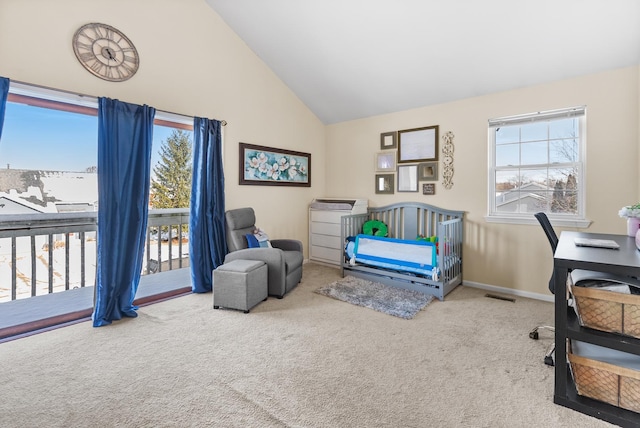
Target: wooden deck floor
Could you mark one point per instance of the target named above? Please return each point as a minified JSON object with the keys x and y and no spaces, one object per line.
{"x":28,"y":316}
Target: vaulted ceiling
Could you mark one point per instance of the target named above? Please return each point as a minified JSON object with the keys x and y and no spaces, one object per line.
{"x":349,"y":59}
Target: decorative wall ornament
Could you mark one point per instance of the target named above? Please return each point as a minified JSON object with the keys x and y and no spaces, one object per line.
{"x":386,"y":161}
{"x":407,"y":178}
{"x":384,"y":184}
{"x":388,"y":140}
{"x":429,"y":189}
{"x":447,"y":160}
{"x":428,"y":171}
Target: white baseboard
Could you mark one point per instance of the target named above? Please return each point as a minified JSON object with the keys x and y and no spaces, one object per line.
{"x":510,"y":291}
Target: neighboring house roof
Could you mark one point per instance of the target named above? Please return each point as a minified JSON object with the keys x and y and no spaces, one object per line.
{"x":533,"y":195}
{"x":71,"y":187}
{"x":531,"y":200}
{"x":521,"y":192}
{"x":71,"y":191}
{"x":13,"y":204}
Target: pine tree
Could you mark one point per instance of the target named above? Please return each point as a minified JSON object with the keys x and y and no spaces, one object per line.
{"x":171,"y":187}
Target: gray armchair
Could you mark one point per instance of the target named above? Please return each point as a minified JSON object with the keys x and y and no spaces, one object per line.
{"x":284,"y":260}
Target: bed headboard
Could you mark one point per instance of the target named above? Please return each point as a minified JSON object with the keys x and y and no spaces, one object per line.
{"x":406,"y":220}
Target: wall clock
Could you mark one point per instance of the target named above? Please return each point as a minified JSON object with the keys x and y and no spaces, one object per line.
{"x":105,"y":52}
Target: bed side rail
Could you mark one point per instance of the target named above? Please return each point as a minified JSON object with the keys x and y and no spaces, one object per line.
{"x":351,"y":225}
{"x":450,"y":248}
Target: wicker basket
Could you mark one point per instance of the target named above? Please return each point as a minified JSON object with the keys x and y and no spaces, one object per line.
{"x":608,"y":311}
{"x":618,"y":386}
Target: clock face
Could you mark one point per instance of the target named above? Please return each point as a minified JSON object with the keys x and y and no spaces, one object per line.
{"x":105,"y":52}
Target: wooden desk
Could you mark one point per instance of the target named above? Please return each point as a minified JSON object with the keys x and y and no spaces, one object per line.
{"x":624,"y":261}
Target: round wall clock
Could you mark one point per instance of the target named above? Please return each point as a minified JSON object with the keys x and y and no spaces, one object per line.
{"x":105,"y":52}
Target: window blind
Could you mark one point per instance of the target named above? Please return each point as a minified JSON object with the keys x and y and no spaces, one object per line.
{"x":539,"y":116}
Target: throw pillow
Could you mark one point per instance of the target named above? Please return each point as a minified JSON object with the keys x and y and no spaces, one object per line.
{"x":262,"y":238}
{"x":252,"y":241}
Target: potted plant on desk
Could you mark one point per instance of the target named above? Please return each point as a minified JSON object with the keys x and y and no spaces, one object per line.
{"x":632,"y":214}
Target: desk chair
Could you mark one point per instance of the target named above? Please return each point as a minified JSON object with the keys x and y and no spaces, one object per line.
{"x":553,"y":240}
{"x":577,"y":275}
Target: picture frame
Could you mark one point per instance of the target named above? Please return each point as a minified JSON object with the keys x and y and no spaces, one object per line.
{"x":429,"y":189}
{"x":386,"y":161}
{"x":407,"y":178}
{"x":384,"y":184}
{"x":428,"y":171}
{"x":388,"y":140}
{"x":418,"y":144}
{"x":269,"y":166}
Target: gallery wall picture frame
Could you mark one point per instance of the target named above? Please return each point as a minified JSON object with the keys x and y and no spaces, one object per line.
{"x":269,"y":166}
{"x":389,"y":140}
{"x":418,"y":144}
{"x":384,"y":184}
{"x":428,"y":171}
{"x":407,"y":178}
{"x":429,"y":189}
{"x":386,"y":161}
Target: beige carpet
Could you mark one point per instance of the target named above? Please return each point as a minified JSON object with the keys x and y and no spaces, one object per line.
{"x":303,"y":361}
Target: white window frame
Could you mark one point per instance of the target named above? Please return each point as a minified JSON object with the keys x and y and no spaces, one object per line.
{"x":560,"y":219}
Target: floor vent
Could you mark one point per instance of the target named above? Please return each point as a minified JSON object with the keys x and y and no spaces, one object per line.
{"x":495,"y":296}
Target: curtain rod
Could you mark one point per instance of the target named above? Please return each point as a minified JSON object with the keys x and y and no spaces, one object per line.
{"x":91,"y":97}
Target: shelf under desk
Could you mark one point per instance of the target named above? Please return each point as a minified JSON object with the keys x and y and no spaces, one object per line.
{"x":623,"y":261}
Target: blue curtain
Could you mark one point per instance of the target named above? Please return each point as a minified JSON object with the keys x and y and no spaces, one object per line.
{"x":207,"y":237}
{"x":125,"y":134}
{"x":4,"y":92}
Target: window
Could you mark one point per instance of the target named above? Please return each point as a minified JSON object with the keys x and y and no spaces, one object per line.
{"x":49,"y":150}
{"x":171,"y":167}
{"x":49,"y":153}
{"x":536,"y":163}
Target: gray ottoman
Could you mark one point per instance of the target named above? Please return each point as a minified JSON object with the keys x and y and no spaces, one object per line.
{"x":240,"y":284}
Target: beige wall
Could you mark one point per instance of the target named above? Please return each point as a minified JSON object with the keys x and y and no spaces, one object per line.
{"x":512,"y":256}
{"x":192,"y":64}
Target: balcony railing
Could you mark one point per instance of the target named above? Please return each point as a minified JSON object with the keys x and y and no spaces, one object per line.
{"x":47,"y":253}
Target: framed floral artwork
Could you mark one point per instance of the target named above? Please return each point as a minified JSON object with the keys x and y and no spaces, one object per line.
{"x":261,"y":165}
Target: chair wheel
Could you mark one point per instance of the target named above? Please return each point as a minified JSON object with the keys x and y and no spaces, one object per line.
{"x":533,"y":335}
{"x":548,"y":360}
{"x":216,"y":307}
{"x":246,"y":312}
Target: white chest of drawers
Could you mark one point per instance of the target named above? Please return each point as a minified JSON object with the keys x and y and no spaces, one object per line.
{"x":324,"y":227}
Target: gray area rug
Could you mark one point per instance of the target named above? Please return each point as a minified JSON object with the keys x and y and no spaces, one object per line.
{"x":382,"y":298}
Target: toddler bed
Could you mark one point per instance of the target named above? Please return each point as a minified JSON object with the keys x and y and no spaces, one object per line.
{"x":410,"y":245}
